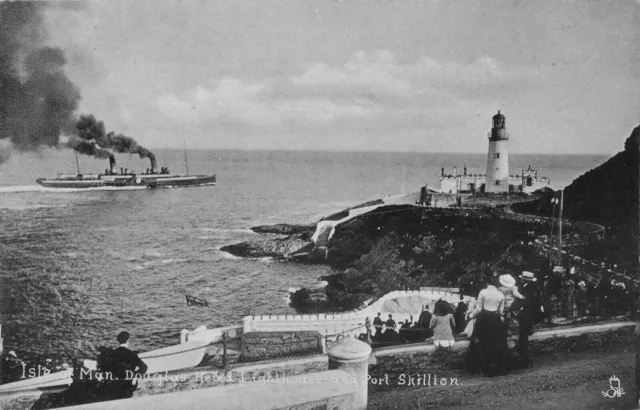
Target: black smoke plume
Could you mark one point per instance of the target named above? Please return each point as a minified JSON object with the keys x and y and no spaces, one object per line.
{"x":92,"y":131}
{"x":37,"y":100}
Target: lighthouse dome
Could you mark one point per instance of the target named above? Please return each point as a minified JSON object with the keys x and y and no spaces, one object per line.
{"x":499,"y":120}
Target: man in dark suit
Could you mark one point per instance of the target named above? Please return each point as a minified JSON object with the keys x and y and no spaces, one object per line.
{"x":377,"y":324}
{"x":425,"y":322}
{"x":124,"y":365}
{"x":530,"y":305}
{"x":459,"y":316}
{"x":12,"y":368}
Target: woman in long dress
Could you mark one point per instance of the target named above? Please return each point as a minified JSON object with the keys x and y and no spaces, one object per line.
{"x":491,"y":350}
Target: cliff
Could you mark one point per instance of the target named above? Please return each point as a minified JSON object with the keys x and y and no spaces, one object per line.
{"x":606,"y":195}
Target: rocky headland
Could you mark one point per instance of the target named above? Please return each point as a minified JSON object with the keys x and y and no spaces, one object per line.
{"x":406,"y":246}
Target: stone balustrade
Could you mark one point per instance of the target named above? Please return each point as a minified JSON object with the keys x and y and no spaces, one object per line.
{"x":331,"y":324}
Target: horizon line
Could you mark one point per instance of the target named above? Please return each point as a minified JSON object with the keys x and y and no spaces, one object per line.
{"x":381,"y":151}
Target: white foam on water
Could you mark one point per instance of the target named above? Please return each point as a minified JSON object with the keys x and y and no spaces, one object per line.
{"x":153,"y":254}
{"x":23,"y":188}
{"x":227,"y":255}
{"x":234,"y":230}
{"x":179,"y":260}
{"x":38,"y":188}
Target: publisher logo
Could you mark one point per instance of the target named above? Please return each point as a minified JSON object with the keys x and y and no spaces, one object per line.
{"x":615,"y":390}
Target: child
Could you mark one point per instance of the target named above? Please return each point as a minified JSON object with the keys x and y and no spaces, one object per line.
{"x":442,"y":325}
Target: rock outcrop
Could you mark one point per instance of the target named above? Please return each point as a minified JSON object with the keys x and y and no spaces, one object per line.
{"x":279,"y":248}
{"x":606,"y":195}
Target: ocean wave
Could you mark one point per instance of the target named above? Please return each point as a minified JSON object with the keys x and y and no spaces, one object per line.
{"x":179,"y":260}
{"x":234,"y":230}
{"x":24,"y":207}
{"x":38,"y":188}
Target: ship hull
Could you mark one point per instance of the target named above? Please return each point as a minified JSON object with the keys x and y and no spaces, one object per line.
{"x":127,"y":181}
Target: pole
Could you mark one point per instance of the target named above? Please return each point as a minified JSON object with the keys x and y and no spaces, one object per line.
{"x":402,"y":179}
{"x":553,"y":220}
{"x":186,"y":163}
{"x":224,"y":350}
{"x":635,"y":314}
{"x":77,"y":163}
{"x":560,"y":227}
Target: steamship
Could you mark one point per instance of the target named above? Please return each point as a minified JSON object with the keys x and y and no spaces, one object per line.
{"x":111,"y":179}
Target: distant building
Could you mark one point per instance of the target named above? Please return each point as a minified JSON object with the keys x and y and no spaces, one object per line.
{"x":496,"y":180}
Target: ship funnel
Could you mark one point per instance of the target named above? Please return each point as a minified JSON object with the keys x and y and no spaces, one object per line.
{"x":112,"y":164}
{"x":154,"y":165}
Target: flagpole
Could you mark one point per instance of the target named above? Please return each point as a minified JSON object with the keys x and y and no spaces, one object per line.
{"x":560,"y":228}
{"x":77,"y":162}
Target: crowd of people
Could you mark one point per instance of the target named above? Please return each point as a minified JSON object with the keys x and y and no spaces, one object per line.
{"x":504,"y":307}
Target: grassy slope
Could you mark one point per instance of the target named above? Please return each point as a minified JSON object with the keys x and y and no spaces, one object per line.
{"x":558,"y":381}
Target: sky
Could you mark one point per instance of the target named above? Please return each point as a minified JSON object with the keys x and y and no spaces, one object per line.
{"x":383,"y":75}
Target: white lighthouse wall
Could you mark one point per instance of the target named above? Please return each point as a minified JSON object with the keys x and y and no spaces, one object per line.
{"x":498,"y":167}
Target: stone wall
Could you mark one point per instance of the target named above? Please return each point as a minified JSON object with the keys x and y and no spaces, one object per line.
{"x":327,"y":324}
{"x":321,"y":390}
{"x":241,"y":373}
{"x":416,"y":298}
{"x":350,"y":323}
{"x":269,"y":345}
{"x":441,"y":200}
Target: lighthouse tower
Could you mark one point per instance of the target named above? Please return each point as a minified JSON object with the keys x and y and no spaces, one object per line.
{"x":498,"y":157}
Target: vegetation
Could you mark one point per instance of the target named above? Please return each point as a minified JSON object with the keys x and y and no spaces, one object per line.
{"x":608,"y":196}
{"x":402,"y":247}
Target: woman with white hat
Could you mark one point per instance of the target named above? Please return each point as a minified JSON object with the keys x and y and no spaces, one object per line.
{"x":510,"y":291}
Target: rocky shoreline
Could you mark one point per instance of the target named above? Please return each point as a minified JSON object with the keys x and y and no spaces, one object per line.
{"x":396,"y":246}
{"x":289,"y":240}
{"x":406,"y":246}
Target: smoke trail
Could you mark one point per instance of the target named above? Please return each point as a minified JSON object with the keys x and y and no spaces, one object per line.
{"x":37,"y":100}
{"x":92,"y":132}
{"x":88,"y":148}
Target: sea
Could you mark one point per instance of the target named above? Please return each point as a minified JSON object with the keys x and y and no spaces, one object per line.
{"x":77,"y":267}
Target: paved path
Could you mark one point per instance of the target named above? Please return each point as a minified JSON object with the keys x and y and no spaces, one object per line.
{"x":558,"y":381}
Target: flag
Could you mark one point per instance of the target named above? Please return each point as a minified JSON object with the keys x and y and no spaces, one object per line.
{"x":194,"y":301}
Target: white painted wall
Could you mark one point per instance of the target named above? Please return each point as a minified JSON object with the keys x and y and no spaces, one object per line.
{"x":352,"y":323}
{"x":497,"y":166}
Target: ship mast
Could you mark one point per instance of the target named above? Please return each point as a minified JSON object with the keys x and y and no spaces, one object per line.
{"x":186,"y":163}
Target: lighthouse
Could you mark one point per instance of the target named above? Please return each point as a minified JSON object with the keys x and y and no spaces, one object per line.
{"x":498,"y":157}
